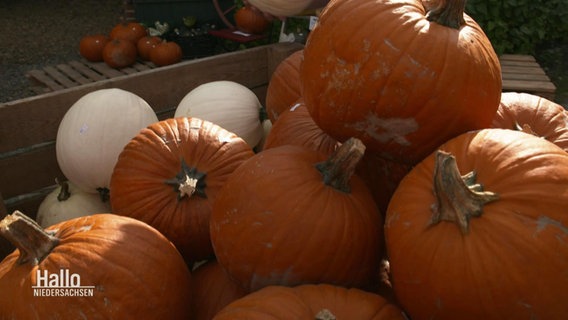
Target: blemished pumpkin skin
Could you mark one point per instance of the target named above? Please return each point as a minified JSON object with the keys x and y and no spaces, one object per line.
{"x":298,"y":229}
{"x":212,"y":290}
{"x":309,"y":302}
{"x":497,"y":253}
{"x":284,"y":87}
{"x":383,"y":72}
{"x":533,"y":114}
{"x":119,"y":53}
{"x":295,"y":126}
{"x":169,"y":176}
{"x":136,"y":272}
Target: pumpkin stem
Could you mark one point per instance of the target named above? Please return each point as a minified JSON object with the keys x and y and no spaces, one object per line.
{"x":526,"y":128}
{"x":64,"y":193}
{"x":188,"y":182}
{"x":33,"y":242}
{"x":338,"y":169}
{"x":449,"y":13}
{"x":458,"y":198}
{"x":325,"y":314}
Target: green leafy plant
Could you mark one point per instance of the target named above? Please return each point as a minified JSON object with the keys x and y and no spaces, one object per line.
{"x":519,"y":26}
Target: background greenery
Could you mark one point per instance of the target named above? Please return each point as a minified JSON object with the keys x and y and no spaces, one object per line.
{"x":521,"y":26}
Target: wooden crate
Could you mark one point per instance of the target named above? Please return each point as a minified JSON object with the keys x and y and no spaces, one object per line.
{"x":28,"y":165}
{"x":77,"y":73}
{"x":522,"y":73}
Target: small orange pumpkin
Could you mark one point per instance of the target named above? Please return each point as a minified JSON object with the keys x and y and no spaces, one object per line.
{"x":251,"y":21}
{"x":166,"y":53}
{"x":128,"y":30}
{"x":119,"y":53}
{"x":146,"y":44}
{"x":91,"y":47}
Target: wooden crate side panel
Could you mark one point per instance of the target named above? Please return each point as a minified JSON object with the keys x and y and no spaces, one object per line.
{"x":28,"y":173}
{"x":35,"y":120}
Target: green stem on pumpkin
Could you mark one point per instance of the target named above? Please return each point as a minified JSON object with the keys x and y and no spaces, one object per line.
{"x":64,"y":193}
{"x":33,"y":242}
{"x":188,"y":182}
{"x":449,"y":13}
{"x":458,"y":198}
{"x":325,"y":314}
{"x":340,"y":166}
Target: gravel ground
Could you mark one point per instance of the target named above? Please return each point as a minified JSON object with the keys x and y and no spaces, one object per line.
{"x":40,"y":33}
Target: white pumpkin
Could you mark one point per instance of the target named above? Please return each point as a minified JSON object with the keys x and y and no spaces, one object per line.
{"x":229,"y":105}
{"x":94,"y":131}
{"x":67,"y":202}
{"x":286,"y":8}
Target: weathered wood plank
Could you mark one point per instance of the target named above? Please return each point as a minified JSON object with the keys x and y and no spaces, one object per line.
{"x":73,"y":74}
{"x":60,"y":77}
{"x":87,"y":71}
{"x":41,"y":77}
{"x":28,"y":165}
{"x":517,"y":57}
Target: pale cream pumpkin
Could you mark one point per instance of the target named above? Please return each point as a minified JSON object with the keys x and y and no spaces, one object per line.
{"x":94,"y":131}
{"x":228,"y":104}
{"x":285,"y":8}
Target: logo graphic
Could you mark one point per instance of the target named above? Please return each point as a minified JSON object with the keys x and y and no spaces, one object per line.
{"x":62,"y":284}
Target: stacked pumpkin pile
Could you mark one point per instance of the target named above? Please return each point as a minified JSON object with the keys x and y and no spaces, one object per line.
{"x":127,"y":42}
{"x":396,"y":181}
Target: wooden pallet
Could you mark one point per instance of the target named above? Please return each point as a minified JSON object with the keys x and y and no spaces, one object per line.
{"x":79,"y":72}
{"x":522,"y":73}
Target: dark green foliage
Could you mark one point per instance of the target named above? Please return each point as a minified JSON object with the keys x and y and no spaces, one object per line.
{"x":519,"y":26}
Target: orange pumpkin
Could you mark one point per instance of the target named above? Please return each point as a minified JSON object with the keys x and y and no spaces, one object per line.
{"x":533,"y":114}
{"x":251,"y":21}
{"x":296,"y":227}
{"x":318,"y":302}
{"x":166,"y":53}
{"x":295,"y":126}
{"x":478,"y":230}
{"x":91,"y":47}
{"x":125,"y":270}
{"x":170,"y":175}
{"x":119,"y":53}
{"x":128,"y":30}
{"x":212,"y":290}
{"x":284,"y":86}
{"x":146,"y":44}
{"x":383,"y":72}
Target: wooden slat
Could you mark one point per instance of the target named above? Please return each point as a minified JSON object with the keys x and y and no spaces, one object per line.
{"x":73,"y":74}
{"x":526,"y":70}
{"x":43,"y":78}
{"x":87,"y":71}
{"x":526,"y":76}
{"x":105,"y":70}
{"x":60,"y":77}
{"x":517,"y":57}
